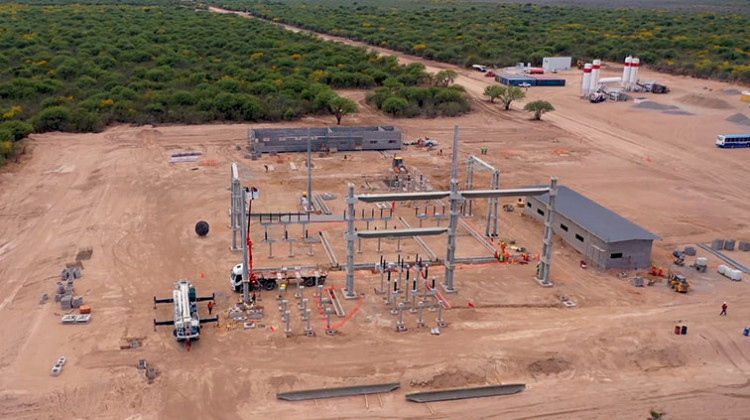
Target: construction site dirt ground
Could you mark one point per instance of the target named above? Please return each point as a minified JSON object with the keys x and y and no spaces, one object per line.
{"x":614,"y":355}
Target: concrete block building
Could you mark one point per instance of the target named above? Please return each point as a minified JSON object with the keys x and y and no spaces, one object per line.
{"x":343,"y":139}
{"x":604,"y":238}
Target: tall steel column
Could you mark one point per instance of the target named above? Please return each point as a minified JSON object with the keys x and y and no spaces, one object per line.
{"x":469,"y":186}
{"x":350,"y":237}
{"x":492,"y":207}
{"x":455,"y":197}
{"x":245,"y":250}
{"x":235,"y":208}
{"x":546,"y":257}
{"x":309,"y":174}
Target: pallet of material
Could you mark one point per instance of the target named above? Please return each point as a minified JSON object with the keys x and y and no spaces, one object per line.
{"x":183,"y":159}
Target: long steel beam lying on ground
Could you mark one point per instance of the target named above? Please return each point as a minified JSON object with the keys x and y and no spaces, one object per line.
{"x":346,"y":391}
{"x":459,"y":394}
{"x":725,"y":258}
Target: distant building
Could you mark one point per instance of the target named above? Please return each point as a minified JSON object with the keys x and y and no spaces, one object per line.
{"x":344,"y":139}
{"x":606,"y":239}
{"x":553,"y":64}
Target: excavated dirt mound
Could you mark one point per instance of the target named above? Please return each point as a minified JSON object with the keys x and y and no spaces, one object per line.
{"x":704,"y":101}
{"x":550,"y":366}
{"x":473,"y":372}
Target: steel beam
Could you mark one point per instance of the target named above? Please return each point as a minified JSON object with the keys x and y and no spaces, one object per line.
{"x":374,"y":198}
{"x":546,"y":257}
{"x":346,"y":391}
{"x":482,"y":163}
{"x":309,"y":174}
{"x":492,"y":207}
{"x":351,"y":199}
{"x":401,"y":233}
{"x":236,"y":205}
{"x":456,"y":199}
{"x":515,"y":192}
{"x":458,"y":394}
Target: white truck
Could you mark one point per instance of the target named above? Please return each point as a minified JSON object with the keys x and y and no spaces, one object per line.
{"x":271,"y":280}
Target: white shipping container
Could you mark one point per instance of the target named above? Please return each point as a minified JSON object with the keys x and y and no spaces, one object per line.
{"x":550,"y":64}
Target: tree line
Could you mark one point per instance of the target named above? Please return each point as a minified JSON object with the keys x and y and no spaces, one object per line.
{"x":81,"y":67}
{"x":705,"y":44}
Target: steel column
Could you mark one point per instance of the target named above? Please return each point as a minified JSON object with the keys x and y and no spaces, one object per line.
{"x":309,"y":174}
{"x":469,"y":186}
{"x":245,"y":251}
{"x":455,"y":197}
{"x":493,"y":207}
{"x":546,"y":257}
{"x":235,"y":207}
{"x":351,"y":235}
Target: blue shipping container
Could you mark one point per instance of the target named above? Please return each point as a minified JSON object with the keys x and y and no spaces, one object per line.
{"x":549,"y":81}
{"x":517,"y":81}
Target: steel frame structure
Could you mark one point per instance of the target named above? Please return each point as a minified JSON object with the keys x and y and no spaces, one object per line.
{"x":456,"y":198}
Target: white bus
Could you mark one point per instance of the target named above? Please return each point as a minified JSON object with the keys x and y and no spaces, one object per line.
{"x":733,"y":140}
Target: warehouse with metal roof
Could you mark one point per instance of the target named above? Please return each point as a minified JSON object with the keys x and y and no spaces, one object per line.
{"x":603,"y":237}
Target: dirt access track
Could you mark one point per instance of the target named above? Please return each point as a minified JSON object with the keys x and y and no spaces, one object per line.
{"x":612,"y":356}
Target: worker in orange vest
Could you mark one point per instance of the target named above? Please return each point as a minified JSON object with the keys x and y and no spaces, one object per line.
{"x":502,"y":247}
{"x":210,"y":306}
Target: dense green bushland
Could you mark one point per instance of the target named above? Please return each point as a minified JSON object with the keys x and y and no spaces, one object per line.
{"x":708,"y":45}
{"x":81,"y":67}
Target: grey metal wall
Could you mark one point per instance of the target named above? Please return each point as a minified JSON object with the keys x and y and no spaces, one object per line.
{"x":636,"y":254}
{"x":335,"y":138}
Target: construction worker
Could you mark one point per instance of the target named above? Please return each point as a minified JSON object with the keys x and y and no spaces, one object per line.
{"x":266,"y":166}
{"x":253,"y":298}
{"x":723,"y":309}
{"x":502,"y":246}
{"x":210,"y":306}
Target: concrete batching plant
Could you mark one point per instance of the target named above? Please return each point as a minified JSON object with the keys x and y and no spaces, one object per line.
{"x":592,"y":81}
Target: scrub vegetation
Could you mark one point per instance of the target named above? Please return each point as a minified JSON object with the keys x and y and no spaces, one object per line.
{"x":81,"y":67}
{"x":703,"y":44}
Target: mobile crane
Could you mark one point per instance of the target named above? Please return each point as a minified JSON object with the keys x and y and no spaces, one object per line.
{"x":271,"y":281}
{"x":187,"y":322}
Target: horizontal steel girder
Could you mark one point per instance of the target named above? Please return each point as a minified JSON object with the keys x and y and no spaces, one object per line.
{"x":437,"y":195}
{"x":516,"y":192}
{"x":401,"y":233}
{"x":375,"y":198}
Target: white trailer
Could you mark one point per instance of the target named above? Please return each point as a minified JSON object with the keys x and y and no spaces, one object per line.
{"x":555,"y":64}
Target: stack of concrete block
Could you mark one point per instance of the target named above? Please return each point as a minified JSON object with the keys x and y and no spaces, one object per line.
{"x":717,"y":244}
{"x":729,"y":244}
{"x":690,"y":251}
{"x":57,"y":369}
{"x":77,"y":301}
{"x":637,"y":281}
{"x":66,"y":302}
{"x":71,"y":273}
{"x":744,"y":246}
